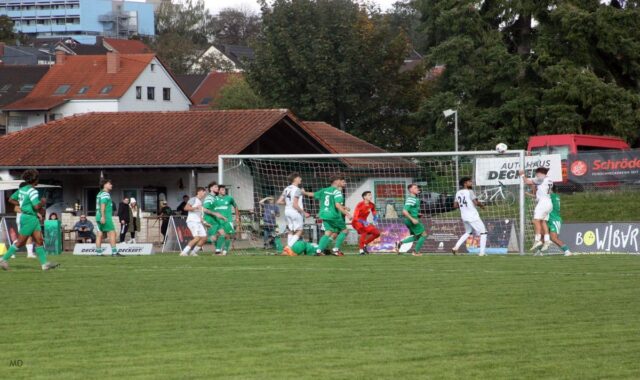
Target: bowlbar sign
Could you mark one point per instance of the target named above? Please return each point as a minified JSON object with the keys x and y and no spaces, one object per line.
{"x":602,"y":237}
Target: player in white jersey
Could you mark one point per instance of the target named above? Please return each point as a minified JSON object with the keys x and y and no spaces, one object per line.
{"x":544,"y":185}
{"x":194,"y":222}
{"x":466,"y":201}
{"x":294,"y":213}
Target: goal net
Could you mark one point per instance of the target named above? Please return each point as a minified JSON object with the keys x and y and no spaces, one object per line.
{"x":256,"y":183}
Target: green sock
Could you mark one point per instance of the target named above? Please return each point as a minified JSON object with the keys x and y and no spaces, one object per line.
{"x":324,"y":242}
{"x":114,"y":250}
{"x":419,"y":243}
{"x":9,"y":253}
{"x":227,"y":244}
{"x":42,"y":255}
{"x":564,"y":248}
{"x":99,"y":250}
{"x":409,"y":239}
{"x":340,"y":240}
{"x":220,"y":243}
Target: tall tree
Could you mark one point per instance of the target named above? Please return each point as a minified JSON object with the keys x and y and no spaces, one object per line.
{"x":7,"y":33}
{"x":235,"y":26}
{"x":332,"y":60}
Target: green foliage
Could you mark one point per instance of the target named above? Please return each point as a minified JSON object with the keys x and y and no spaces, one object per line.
{"x":237,"y":94}
{"x":377,"y":317}
{"x":7,"y":34}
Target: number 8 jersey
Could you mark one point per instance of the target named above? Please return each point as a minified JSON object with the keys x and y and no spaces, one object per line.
{"x":468,"y":211}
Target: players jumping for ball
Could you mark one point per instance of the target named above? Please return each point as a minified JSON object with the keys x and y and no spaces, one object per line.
{"x":366,"y":230}
{"x":411,"y":214}
{"x":466,"y":201}
{"x":544,"y":186}
{"x":26,"y":198}
{"x":555,"y":223}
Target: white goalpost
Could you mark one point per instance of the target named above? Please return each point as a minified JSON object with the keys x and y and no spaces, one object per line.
{"x":256,"y":180}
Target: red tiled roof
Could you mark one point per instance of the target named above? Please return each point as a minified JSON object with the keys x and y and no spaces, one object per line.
{"x":162,"y":139}
{"x":210,"y":88}
{"x":80,"y":71}
{"x":126,"y":46}
{"x":338,"y":140}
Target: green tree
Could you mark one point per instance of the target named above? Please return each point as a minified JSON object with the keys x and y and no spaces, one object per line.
{"x":333,"y":60}
{"x":234,"y":26}
{"x":237,"y":94}
{"x":7,"y":33}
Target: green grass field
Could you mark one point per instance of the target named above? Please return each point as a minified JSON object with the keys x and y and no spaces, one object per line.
{"x":322,"y":318}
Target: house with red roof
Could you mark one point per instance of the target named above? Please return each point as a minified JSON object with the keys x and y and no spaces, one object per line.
{"x":204,"y":90}
{"x":112,"y":82}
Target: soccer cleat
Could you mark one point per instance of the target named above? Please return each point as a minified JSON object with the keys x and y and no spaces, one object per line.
{"x":31,"y":256}
{"x":482,"y":254}
{"x":117,"y":254}
{"x":366,"y":251}
{"x":568,"y":253}
{"x":417,"y":254}
{"x":13,"y":256}
{"x":545,"y":246}
{"x":337,"y":253}
{"x":183,"y":254}
{"x":4,"y":265}
{"x":193,"y":254}
{"x":454,"y":251}
{"x":536,"y":245}
{"x":320,"y":253}
{"x":224,"y":253}
{"x":50,"y":265}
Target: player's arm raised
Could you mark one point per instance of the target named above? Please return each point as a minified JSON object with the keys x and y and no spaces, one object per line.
{"x":526,"y":180}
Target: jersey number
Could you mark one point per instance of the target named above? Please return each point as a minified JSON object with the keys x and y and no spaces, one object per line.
{"x":462,"y":202}
{"x":327,"y":201}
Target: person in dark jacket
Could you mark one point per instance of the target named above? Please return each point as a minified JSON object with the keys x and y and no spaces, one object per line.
{"x":124,"y":215}
{"x":180,"y":208}
{"x":165,"y":213}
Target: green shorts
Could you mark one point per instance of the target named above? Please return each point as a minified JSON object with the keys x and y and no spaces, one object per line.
{"x":227,"y":227}
{"x":335,"y":226}
{"x":215,"y":226}
{"x":415,"y":229}
{"x":554,"y":226}
{"x":28,"y":224}
{"x":107,"y":226}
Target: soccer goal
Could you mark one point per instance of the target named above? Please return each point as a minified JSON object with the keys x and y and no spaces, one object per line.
{"x":257,"y":181}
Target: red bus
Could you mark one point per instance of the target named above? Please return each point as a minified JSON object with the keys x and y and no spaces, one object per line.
{"x":571,"y":144}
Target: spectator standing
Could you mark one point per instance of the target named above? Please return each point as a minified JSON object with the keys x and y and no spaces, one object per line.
{"x":83,"y":227}
{"x":180,"y":209}
{"x":134,"y":219}
{"x":165,"y":214}
{"x":124,"y":215}
{"x":270,"y":212}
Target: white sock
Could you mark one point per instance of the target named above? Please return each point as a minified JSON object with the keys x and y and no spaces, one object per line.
{"x":537,"y":237}
{"x":293,"y":240}
{"x":196,"y":249}
{"x":186,"y":250}
{"x":461,"y":241}
{"x":289,"y":240}
{"x":483,"y":243}
{"x":547,"y":239}
{"x":30,"y":249}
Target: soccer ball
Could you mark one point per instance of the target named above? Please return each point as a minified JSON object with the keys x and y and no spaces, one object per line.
{"x":501,"y":148}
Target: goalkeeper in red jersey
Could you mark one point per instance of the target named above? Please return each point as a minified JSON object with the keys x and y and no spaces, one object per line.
{"x":367,"y":231}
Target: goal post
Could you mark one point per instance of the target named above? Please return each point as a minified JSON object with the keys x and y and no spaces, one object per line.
{"x":256,"y":180}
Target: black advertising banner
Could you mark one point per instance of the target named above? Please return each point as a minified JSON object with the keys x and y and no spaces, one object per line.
{"x":606,"y":166}
{"x":602,"y":237}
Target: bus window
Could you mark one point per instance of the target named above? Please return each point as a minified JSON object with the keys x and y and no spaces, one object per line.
{"x":562,"y":150}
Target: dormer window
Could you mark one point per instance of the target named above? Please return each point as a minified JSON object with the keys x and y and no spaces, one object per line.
{"x":106,"y":89}
{"x":62,"y":89}
{"x":83,"y":90}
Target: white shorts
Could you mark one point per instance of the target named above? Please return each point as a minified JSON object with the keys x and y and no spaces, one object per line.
{"x":295,"y":221}
{"x":543,"y":209}
{"x":197,"y":229}
{"x":476,"y":226}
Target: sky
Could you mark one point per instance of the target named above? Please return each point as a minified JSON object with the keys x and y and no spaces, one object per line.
{"x":216,"y":5}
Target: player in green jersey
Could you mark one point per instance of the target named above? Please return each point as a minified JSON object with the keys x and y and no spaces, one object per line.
{"x":104,"y":218}
{"x":411,"y":213}
{"x":225,"y":205}
{"x":301,"y":248}
{"x":26,"y":198}
{"x":555,"y":223}
{"x":332,"y":212}
{"x":211,"y":217}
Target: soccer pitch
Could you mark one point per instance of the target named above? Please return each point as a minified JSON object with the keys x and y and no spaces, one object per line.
{"x":322,"y":318}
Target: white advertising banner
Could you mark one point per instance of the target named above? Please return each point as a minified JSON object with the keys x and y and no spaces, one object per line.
{"x":123,"y":249}
{"x":492,"y":171}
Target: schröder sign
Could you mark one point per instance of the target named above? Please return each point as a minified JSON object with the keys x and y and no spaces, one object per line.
{"x":492,"y":171}
{"x":602,"y":237}
{"x":606,"y":166}
{"x":123,"y":249}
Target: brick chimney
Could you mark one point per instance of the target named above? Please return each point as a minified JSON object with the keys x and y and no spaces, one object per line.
{"x":60,"y":57}
{"x":113,"y":62}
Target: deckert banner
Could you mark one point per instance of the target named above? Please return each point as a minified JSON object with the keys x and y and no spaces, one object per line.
{"x":492,"y":171}
{"x":606,"y":166}
{"x":602,"y":237}
{"x":124,"y":249}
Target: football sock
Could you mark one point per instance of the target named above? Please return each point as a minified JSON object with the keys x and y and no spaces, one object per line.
{"x":483,"y":243}
{"x":537,"y":237}
{"x":114,"y":250}
{"x":42,"y":255}
{"x":196,"y":249}
{"x":409,"y":239}
{"x":324,"y":242}
{"x":564,"y":248}
{"x":12,"y":250}
{"x":293,"y":240}
{"x":340,"y":240}
{"x":29,"y":249}
{"x":219,"y":243}
{"x":362,"y":240}
{"x":461,"y":241}
{"x":227,"y":244}
{"x":186,"y":250}
{"x":419,"y":243}
{"x":547,"y":239}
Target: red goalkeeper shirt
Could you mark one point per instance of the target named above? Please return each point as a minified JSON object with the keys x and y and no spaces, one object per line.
{"x":362,"y":212}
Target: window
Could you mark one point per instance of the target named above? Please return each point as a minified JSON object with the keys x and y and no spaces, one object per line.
{"x":17,"y":123}
{"x":106,"y":89}
{"x":151,"y":93}
{"x":166,"y":93}
{"x":5,"y":88}
{"x":153,"y":67}
{"x":27,"y":87}
{"x":62,"y":89}
{"x":139,"y":92}
{"x":206,"y":100}
{"x":83,"y":90}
